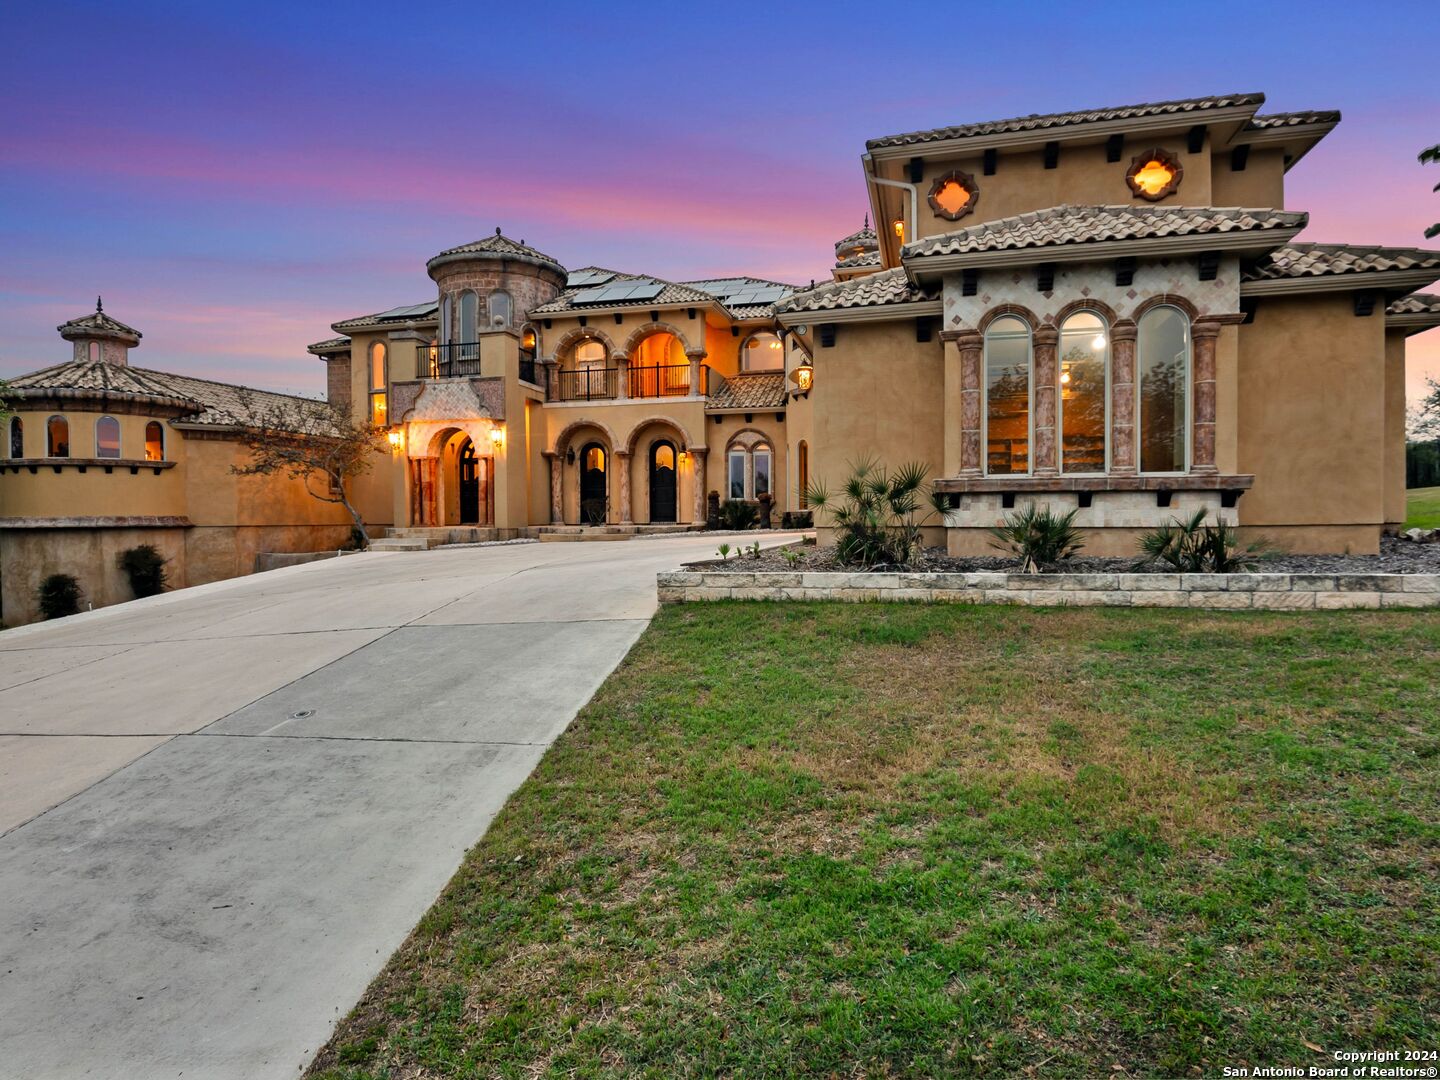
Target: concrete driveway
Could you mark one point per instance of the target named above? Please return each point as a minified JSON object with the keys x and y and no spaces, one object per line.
{"x":222,"y":809}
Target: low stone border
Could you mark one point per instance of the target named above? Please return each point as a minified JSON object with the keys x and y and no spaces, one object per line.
{"x":1275,"y":592}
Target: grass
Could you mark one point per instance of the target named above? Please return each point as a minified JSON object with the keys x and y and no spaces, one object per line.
{"x":871,"y":840}
{"x":1422,"y":508}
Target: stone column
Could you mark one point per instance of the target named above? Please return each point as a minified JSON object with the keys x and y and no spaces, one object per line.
{"x":1122,"y":398}
{"x":951,"y":404}
{"x":1204,"y":333}
{"x":698,"y":475}
{"x":557,"y":507}
{"x":429,"y":471}
{"x":622,"y":476}
{"x":972,"y":347}
{"x":695,"y":357}
{"x":1044,"y":454}
{"x":622,"y":377}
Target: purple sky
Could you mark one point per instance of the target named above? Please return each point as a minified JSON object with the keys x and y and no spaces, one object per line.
{"x":235,"y":177}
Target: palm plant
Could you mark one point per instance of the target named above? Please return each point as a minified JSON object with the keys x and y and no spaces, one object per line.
{"x":878,"y":514}
{"x":1192,"y":547}
{"x":1040,"y":537}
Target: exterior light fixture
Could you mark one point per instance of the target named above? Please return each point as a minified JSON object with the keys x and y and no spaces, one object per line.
{"x":803,"y":376}
{"x":396,"y":437}
{"x":684,"y":456}
{"x":899,"y":226}
{"x":497,"y":437}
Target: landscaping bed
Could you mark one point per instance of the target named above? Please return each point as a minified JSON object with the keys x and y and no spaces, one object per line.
{"x":912,"y":841}
{"x":1396,"y":557}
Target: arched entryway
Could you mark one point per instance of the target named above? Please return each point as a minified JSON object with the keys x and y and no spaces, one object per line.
{"x":468,"y":468}
{"x":663,"y":482}
{"x":594,"y":469}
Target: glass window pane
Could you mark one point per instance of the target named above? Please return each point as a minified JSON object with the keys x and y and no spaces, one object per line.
{"x":1007,"y":396}
{"x":469,"y":307}
{"x":590,"y":352}
{"x":154,"y":441}
{"x":17,"y":438}
{"x":1163,"y":380}
{"x":500,"y":307}
{"x":107,"y":437}
{"x":763,"y":353}
{"x":57,"y":437}
{"x":664,"y":456}
{"x":737,"y":474}
{"x":762,"y":472}
{"x":1084,"y":352}
{"x":378,"y":410}
{"x":377,"y":366}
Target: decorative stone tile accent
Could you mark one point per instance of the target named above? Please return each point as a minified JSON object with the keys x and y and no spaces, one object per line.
{"x":1266,"y":592}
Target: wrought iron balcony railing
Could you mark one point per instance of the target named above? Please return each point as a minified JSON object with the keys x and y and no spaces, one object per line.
{"x":453,"y":360}
{"x":583,"y":384}
{"x":662,"y":380}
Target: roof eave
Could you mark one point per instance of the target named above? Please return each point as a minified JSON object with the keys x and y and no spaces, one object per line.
{"x":445,"y":259}
{"x":1399,"y":282}
{"x":868,"y":313}
{"x":1413,"y":322}
{"x":1304,"y":136}
{"x":710,"y":304}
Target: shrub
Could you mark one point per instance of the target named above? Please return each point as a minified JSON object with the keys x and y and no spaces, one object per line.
{"x":1040,"y":537}
{"x":738,"y":514}
{"x":59,"y":596}
{"x":1192,"y":547}
{"x":145,"y":567}
{"x":797,"y":519}
{"x":875,"y":513}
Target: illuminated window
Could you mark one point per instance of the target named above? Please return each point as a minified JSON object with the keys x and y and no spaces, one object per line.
{"x":529,"y":343}
{"x":762,"y":352}
{"x":107,"y":437}
{"x":803,"y":472}
{"x":1007,"y":396}
{"x":953,"y":195}
{"x":590,"y":353}
{"x":57,"y":437}
{"x":1154,"y":175}
{"x":379,"y":405}
{"x":17,"y":438}
{"x":594,"y":459}
{"x":1084,"y":368}
{"x":154,"y":441}
{"x":1163,"y":385}
{"x":500,"y":308}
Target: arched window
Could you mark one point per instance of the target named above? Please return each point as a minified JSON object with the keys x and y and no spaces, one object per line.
{"x":589,"y":353}
{"x":469,"y":308}
{"x":1084,"y":386}
{"x":529,"y":343}
{"x":95,"y":351}
{"x":57,"y":437}
{"x":749,"y":467}
{"x":735,"y":485}
{"x":802,"y":456}
{"x":760,"y":469}
{"x":762,"y":352}
{"x":154,"y":441}
{"x":107,"y":437}
{"x":379,"y":403}
{"x":1007,"y":396}
{"x":501,"y":308}
{"x":1162,"y":383}
{"x":17,"y":438}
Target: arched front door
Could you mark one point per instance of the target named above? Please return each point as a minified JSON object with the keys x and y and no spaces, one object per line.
{"x":662,"y":481}
{"x":593,"y":462}
{"x":469,"y":485}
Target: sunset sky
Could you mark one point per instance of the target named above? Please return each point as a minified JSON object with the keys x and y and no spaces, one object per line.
{"x":235,"y":177}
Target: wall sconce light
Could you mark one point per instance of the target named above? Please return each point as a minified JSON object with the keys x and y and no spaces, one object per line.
{"x":570,"y":456}
{"x":684,"y":456}
{"x":397,"y":438}
{"x":899,"y":226}
{"x":497,"y":437}
{"x":803,"y":376}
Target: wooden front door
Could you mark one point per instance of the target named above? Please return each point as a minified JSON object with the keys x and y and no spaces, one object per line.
{"x":662,"y":482}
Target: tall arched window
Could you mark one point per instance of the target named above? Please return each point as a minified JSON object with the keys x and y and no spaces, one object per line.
{"x":154,"y":441}
{"x":1084,"y":383}
{"x":1162,"y":386}
{"x":735,"y":477}
{"x":17,"y":438}
{"x":1007,"y":396}
{"x":379,"y":404}
{"x":529,"y":343}
{"x":760,"y":462}
{"x":802,"y":457}
{"x":107,"y":437}
{"x":762,"y":352}
{"x":501,"y":308}
{"x":589,"y":354}
{"x":469,"y":308}
{"x":95,"y":351}
{"x":57,"y":437}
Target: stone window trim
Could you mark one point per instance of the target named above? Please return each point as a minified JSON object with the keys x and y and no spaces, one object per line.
{"x":748,"y":442}
{"x":1166,"y":158}
{"x":965,"y":180}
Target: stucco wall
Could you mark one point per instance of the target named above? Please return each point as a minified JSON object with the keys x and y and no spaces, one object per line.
{"x":1260,"y":183}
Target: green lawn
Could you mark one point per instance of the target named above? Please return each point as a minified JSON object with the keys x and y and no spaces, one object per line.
{"x":1422,"y":508}
{"x":869,"y":840}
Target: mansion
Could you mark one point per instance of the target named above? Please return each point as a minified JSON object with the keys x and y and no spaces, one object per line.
{"x":1111,"y":310}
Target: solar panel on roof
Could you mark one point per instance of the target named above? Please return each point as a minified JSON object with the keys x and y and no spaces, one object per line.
{"x":770,"y":294}
{"x":410,"y":311}
{"x":589,"y":296}
{"x":588,"y":277}
{"x":646,"y":291}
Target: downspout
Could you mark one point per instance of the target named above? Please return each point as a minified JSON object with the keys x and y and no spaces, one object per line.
{"x":914,"y":224}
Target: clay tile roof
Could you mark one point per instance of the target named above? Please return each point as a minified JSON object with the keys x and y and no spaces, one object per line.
{"x":869,"y":258}
{"x":1322,"y":260}
{"x":873,"y":290}
{"x":1062,"y":226}
{"x":756,"y":392}
{"x":329,"y":345}
{"x":98,"y":324}
{"x":865,"y":236}
{"x":1048,"y":121}
{"x":211,"y":403}
{"x":1293,"y":119}
{"x":1415,"y":304}
{"x":501,"y":247}
{"x":423,"y":312}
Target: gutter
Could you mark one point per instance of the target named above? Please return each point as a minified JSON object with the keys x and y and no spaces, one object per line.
{"x":868,"y":164}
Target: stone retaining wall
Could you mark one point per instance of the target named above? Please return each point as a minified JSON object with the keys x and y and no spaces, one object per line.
{"x":1220,"y":591}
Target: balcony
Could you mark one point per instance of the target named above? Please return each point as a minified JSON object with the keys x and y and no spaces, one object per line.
{"x":458,"y":359}
{"x":605,"y":384}
{"x":663,"y":380}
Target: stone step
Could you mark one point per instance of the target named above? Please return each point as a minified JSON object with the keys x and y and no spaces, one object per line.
{"x":582,"y":537}
{"x":401,"y":543}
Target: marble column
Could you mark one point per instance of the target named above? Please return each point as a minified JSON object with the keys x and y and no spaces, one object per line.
{"x":429,"y":469}
{"x":1204,"y":334}
{"x":557,"y":507}
{"x":695,"y":358}
{"x":697,"y":472}
{"x":1043,"y":454}
{"x":972,"y":347}
{"x":622,"y":477}
{"x":1122,"y":398}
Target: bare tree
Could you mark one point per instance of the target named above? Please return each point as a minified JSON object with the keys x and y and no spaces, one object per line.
{"x":313,"y":441}
{"x":1429,"y":156}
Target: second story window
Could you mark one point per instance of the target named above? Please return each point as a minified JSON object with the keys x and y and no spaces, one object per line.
{"x":500,"y":308}
{"x":1007,"y":396}
{"x":762,"y":352}
{"x":57,"y":437}
{"x":590,"y":354}
{"x":107,"y":437}
{"x":94,"y":352}
{"x":379,"y":411}
{"x":17,"y":438}
{"x":154,"y":441}
{"x":469,"y":310}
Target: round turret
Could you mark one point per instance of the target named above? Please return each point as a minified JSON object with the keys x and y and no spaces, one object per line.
{"x":98,"y":337}
{"x":491,"y":284}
